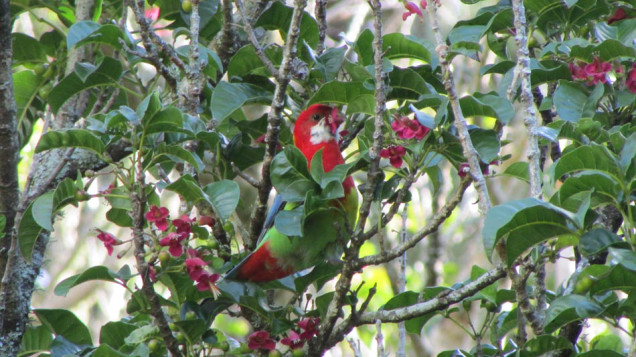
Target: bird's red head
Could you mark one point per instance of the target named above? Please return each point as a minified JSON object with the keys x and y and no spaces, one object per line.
{"x":316,"y":125}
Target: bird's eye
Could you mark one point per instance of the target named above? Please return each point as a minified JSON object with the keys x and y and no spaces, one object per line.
{"x":316,"y":117}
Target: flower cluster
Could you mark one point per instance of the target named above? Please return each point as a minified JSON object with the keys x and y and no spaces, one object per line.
{"x":592,"y":73}
{"x":196,"y":268}
{"x":631,"y":79}
{"x":412,"y":8}
{"x":158,"y":216}
{"x":405,"y":129}
{"x":108,"y":239}
{"x":394,"y":153}
{"x":294,"y":340}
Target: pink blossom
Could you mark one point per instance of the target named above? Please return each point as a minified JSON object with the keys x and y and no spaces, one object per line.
{"x":578,"y":72}
{"x":158,"y":215}
{"x":423,"y":4}
{"x":310,"y":325}
{"x":183,"y":224}
{"x":173,"y":242}
{"x":394,"y":154}
{"x":108,"y":239}
{"x":195,"y":267}
{"x":631,"y":79}
{"x":406,"y":128}
{"x":598,"y":70}
{"x":260,"y":340}
{"x":207,"y":282}
{"x":411,"y":8}
{"x":293,"y":340}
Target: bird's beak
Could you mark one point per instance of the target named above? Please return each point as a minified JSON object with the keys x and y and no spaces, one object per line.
{"x":334,"y":120}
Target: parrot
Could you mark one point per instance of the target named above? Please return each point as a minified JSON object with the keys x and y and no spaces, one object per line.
{"x":277,"y":255}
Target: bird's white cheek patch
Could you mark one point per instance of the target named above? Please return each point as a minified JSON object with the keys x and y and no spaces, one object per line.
{"x":320,"y":133}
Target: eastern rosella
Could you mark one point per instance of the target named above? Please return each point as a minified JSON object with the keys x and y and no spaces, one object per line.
{"x":278,"y":255}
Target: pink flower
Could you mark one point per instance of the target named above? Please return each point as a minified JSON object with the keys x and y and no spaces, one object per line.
{"x":394,"y":154}
{"x":631,"y":79}
{"x":260,"y":340}
{"x":406,"y":128}
{"x":108,"y":239}
{"x":578,"y":72}
{"x":207,"y":282}
{"x":195,"y":267}
{"x":159,"y":216}
{"x":620,"y":14}
{"x":173,"y":242}
{"x":411,"y":8}
{"x":152,"y":13}
{"x":423,"y":4}
{"x":598,"y":70}
{"x":206,"y":221}
{"x":183,"y":224}
{"x":310,"y":326}
{"x":293,"y":340}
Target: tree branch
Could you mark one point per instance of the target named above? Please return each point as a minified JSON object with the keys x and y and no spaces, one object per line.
{"x":460,"y":122}
{"x":249,"y":30}
{"x":320,"y":11}
{"x":274,"y":120}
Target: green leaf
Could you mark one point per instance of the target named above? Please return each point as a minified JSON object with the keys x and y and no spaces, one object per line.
{"x":604,"y":188}
{"x":64,"y":323}
{"x":486,"y":143}
{"x":224,"y":196}
{"x":319,"y":275}
{"x":229,"y":97}
{"x":26,"y":49}
{"x":628,"y":152}
{"x":410,"y":83}
{"x":77,"y":138}
{"x":28,"y":233}
{"x":573,"y":102}
{"x":290,"y":176}
{"x":330,"y":62}
{"x":246,"y":62}
{"x":489,"y":292}
{"x":548,"y":71}
{"x":25,"y":87}
{"x":404,"y":299}
{"x":169,"y":119}
{"x":43,"y":211}
{"x":598,"y":240}
{"x":566,"y":309}
{"x":489,"y":104}
{"x":525,"y":223}
{"x":624,"y":257}
{"x":187,"y":187}
{"x":93,"y":273}
{"x":108,"y":71}
{"x":3,"y":223}
{"x":339,"y":92}
{"x":87,"y":31}
{"x":592,"y":158}
{"x":290,"y":222}
{"x":518,"y":169}
{"x":35,"y":339}
{"x":541,"y":345}
{"x":175,"y":153}
{"x":278,"y":17}
{"x":608,"y":50}
{"x":397,"y":45}
{"x":619,"y":278}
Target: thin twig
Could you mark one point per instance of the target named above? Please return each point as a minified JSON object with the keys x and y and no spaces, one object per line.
{"x":274,"y":120}
{"x":401,"y":352}
{"x":433,"y":226}
{"x":257,"y":46}
{"x":460,"y":122}
{"x":320,"y":11}
{"x":252,"y":181}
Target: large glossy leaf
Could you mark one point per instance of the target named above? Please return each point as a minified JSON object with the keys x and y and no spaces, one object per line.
{"x":592,"y":158}
{"x":570,"y":308}
{"x":606,"y":51}
{"x":525,"y":223}
{"x":224,"y":196}
{"x":64,"y":323}
{"x":486,"y":143}
{"x":604,"y":188}
{"x":619,"y":278}
{"x":544,"y":344}
{"x":397,"y":45}
{"x":339,"y":92}
{"x":108,"y":71}
{"x":290,"y":175}
{"x":35,"y":339}
{"x":91,"y":32}
{"x":598,"y":240}
{"x":25,"y":85}
{"x":77,"y":138}
{"x":27,"y":49}
{"x":229,"y":97}
{"x":28,"y":233}
{"x":488,"y":104}
{"x":278,"y":17}
{"x":93,"y":273}
{"x":574,"y":102}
